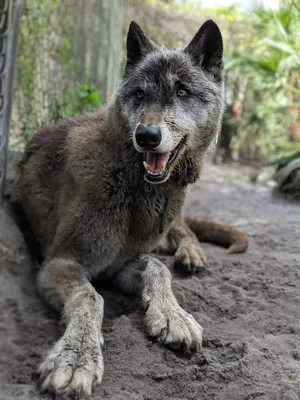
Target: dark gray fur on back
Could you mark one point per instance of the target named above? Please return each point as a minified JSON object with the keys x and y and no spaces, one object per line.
{"x":84,"y":192}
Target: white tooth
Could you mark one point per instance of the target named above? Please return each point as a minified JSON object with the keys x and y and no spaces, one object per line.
{"x":154,"y":173}
{"x":146,"y":166}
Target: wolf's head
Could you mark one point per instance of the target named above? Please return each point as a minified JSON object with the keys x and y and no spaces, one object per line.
{"x":173,"y":101}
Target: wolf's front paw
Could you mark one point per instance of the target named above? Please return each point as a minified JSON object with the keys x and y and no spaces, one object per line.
{"x":172,"y":326}
{"x":189,"y":257}
{"x":72,"y":367}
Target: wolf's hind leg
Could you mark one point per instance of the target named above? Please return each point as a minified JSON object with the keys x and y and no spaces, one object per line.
{"x":164,"y":318}
{"x":75,"y":362}
{"x":183,"y":243}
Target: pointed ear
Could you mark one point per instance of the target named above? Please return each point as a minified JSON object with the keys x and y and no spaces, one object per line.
{"x":206,"y":49}
{"x":137,"y":44}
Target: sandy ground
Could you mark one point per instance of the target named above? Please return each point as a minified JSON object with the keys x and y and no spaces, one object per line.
{"x":248,"y":304}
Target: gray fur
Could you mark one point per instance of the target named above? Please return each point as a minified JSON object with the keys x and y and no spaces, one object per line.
{"x":83,"y":190}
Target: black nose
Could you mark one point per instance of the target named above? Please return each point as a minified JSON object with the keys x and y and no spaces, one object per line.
{"x":148,"y":136}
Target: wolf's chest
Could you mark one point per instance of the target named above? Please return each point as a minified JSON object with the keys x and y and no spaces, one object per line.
{"x":136,"y":212}
{"x":151,"y":216}
{"x":147,"y":217}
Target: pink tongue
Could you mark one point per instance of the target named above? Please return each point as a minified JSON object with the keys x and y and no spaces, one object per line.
{"x":156,"y":160}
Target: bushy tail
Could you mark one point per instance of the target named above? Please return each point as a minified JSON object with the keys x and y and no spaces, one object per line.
{"x":219,"y":234}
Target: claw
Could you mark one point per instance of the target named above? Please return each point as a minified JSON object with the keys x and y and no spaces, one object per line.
{"x":78,"y":393}
{"x":193,"y":270}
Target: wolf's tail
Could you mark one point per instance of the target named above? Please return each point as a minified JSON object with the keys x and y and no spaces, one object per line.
{"x":219,"y":234}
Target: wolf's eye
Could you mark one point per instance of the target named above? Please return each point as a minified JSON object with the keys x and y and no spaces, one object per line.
{"x":140,"y":94}
{"x":181,"y":93}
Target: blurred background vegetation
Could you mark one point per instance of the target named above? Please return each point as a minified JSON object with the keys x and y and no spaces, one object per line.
{"x":71,"y":55}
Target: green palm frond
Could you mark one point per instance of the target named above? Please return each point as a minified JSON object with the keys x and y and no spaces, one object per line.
{"x":287,"y":175}
{"x":283,"y":47}
{"x":291,"y":63}
{"x":283,"y":173}
{"x":286,"y":160}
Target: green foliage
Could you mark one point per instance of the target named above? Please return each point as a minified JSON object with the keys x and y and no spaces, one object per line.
{"x":83,"y":99}
{"x":271,"y":71}
{"x":269,"y":67}
{"x":47,"y":88}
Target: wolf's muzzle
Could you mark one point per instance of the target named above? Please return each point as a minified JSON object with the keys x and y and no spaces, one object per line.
{"x":148,"y":136}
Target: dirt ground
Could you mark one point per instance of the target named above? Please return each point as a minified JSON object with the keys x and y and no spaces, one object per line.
{"x":248,"y":305}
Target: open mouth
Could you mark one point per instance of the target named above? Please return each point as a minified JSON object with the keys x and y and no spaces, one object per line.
{"x":157,"y":165}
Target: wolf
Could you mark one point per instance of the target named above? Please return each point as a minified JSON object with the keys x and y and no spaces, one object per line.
{"x":103,"y":191}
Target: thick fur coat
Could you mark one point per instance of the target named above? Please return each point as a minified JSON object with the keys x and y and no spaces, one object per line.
{"x":104,"y":190}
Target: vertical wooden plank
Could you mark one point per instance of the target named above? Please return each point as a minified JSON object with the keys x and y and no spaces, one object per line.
{"x":10,"y":29}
